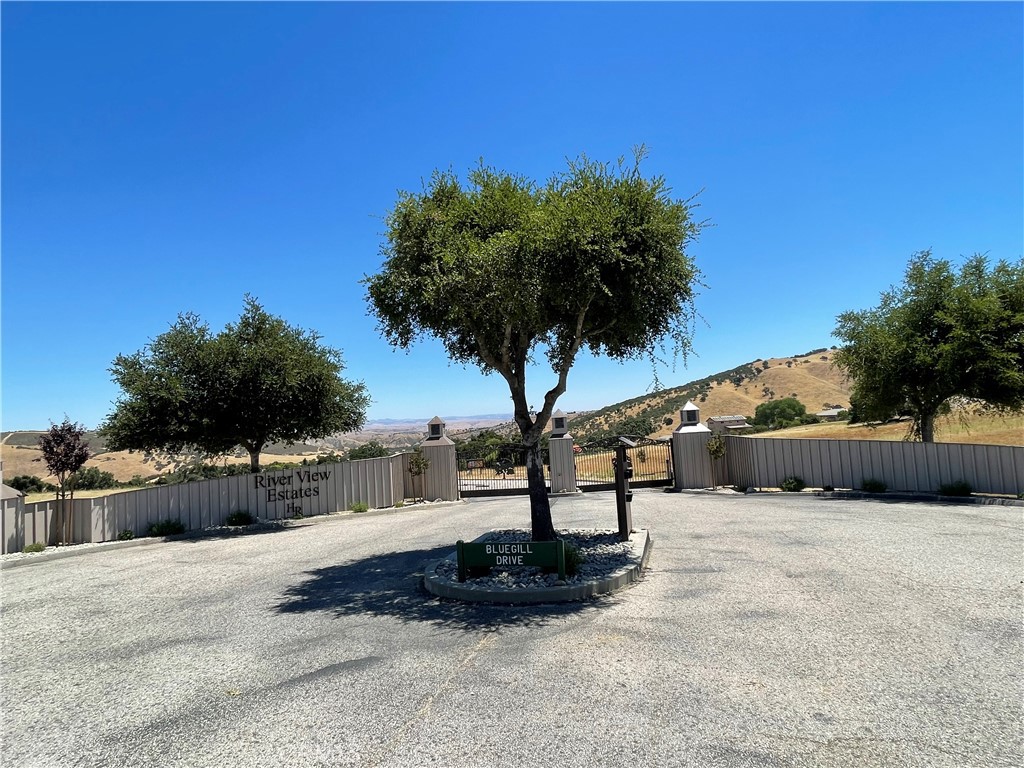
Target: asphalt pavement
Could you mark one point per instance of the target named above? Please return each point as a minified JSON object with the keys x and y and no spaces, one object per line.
{"x":770,"y":630}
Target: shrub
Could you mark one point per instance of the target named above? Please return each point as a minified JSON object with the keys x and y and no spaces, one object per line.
{"x":956,"y":488}
{"x":166,"y":528}
{"x":360,"y":506}
{"x":126,"y":535}
{"x":30,"y":484}
{"x":871,"y":485}
{"x":239,"y":518}
{"x":298,"y":516}
{"x":400,"y":503}
{"x":792,"y":484}
{"x":37,"y":547}
{"x":573,"y":560}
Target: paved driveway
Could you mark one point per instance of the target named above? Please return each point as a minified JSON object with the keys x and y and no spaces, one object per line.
{"x":770,"y":631}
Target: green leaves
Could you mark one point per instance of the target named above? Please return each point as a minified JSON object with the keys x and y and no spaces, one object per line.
{"x":258,"y":381}
{"x":941,"y":334}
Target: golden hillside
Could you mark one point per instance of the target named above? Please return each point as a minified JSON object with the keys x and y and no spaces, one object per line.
{"x":810,"y":378}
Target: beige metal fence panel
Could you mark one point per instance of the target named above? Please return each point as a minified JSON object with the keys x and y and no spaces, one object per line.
{"x":902,"y":466}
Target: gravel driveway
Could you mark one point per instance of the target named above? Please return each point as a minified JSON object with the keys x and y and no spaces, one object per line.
{"x":780,"y":630}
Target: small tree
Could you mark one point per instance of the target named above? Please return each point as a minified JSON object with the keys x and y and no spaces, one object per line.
{"x":503,"y":269}
{"x":418,"y":466}
{"x":716,"y":450}
{"x":942,"y":334}
{"x":64,"y":451}
{"x":258,"y":381}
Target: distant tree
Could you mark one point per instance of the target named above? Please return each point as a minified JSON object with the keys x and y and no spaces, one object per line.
{"x":503,"y":268}
{"x":371,"y":450}
{"x":93,"y":479}
{"x":640,"y":426}
{"x":64,"y":450}
{"x":940,"y":335}
{"x":30,"y":484}
{"x":258,"y":381}
{"x":779,"y":413}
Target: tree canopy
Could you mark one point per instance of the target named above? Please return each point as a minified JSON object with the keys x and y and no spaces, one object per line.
{"x":941,"y":334}
{"x":779,"y":413}
{"x":258,"y":381}
{"x":503,"y":269}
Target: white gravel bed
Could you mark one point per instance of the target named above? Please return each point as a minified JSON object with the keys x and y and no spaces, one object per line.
{"x":601,"y":553}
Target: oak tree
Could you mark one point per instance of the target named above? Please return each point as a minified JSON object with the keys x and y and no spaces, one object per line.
{"x":258,"y":381}
{"x":940,"y":335}
{"x":502,"y":269}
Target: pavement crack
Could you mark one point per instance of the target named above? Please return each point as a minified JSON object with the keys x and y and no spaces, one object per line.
{"x":424,"y":710}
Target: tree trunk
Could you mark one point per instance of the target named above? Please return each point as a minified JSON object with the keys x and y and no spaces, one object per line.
{"x":540,"y":505}
{"x":928,"y":428}
{"x":254,"y":461}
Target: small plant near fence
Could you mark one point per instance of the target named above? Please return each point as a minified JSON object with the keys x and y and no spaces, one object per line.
{"x":360,"y":506}
{"x":166,"y":528}
{"x":239,"y":518}
{"x":37,"y":547}
{"x":792,"y":484}
{"x":872,"y":485}
{"x":956,"y":488}
{"x":126,"y":535}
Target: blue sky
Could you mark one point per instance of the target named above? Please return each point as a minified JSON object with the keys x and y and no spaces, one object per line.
{"x":163,"y":158}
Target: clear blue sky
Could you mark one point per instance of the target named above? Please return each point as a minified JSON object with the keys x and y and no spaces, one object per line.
{"x":162,"y":158}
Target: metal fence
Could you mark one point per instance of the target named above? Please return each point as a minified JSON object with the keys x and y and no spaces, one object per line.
{"x":498,"y":471}
{"x":303,"y":491}
{"x":903,"y":466}
{"x":595,"y":468}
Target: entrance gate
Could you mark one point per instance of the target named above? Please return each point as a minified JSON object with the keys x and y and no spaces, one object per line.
{"x":651,"y":461}
{"x":496,"y":471}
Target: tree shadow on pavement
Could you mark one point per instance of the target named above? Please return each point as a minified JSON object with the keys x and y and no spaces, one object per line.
{"x":391,"y":585}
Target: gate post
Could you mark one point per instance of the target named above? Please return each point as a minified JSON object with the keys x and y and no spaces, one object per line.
{"x":623,"y":496}
{"x":689,"y":450}
{"x":561,"y":456}
{"x":441,"y":480}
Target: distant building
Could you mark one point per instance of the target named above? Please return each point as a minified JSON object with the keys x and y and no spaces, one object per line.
{"x":727,"y":424}
{"x":830,"y":414}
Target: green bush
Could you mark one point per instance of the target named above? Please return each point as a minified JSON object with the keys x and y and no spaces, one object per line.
{"x":37,"y":547}
{"x":956,"y":488}
{"x":792,"y":484}
{"x":871,"y":485}
{"x":298,"y":516}
{"x":360,"y":506}
{"x":166,"y":528}
{"x":573,"y":560}
{"x":400,"y":503}
{"x":239,"y":518}
{"x":30,"y":484}
{"x":126,"y":535}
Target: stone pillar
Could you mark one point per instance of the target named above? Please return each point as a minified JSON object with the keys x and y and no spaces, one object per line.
{"x":441,"y":480}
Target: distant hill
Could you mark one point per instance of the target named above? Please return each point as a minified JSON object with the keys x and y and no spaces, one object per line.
{"x":809,"y":377}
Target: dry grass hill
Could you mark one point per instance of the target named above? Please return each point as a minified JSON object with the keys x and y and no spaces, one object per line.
{"x":810,"y":378}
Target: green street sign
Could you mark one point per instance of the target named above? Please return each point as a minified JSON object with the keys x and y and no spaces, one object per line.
{"x":542,"y":554}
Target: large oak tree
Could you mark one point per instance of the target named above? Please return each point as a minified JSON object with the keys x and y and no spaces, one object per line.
{"x":502,"y":268}
{"x":258,"y":381}
{"x":942,"y":334}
